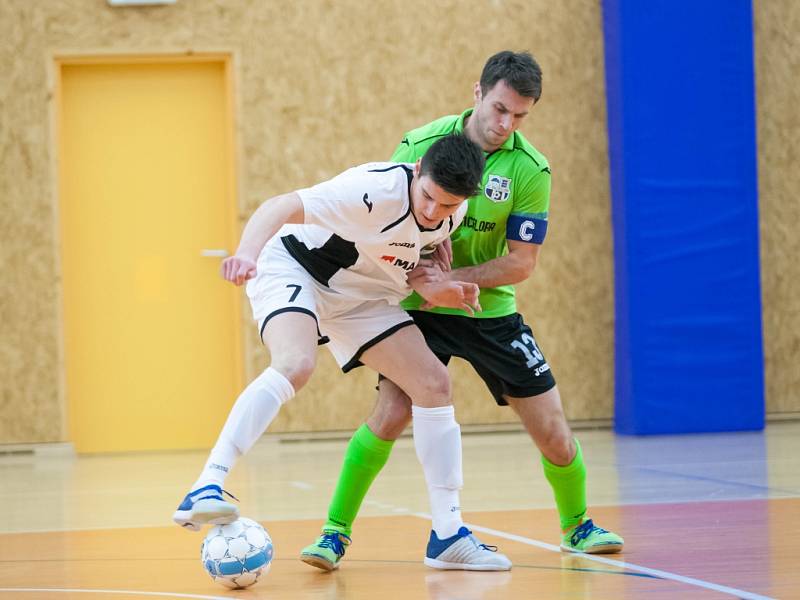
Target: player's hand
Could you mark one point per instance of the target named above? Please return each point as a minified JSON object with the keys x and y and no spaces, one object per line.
{"x":450,"y":294}
{"x":427,"y":271}
{"x":237,"y":269}
{"x":443,"y":255}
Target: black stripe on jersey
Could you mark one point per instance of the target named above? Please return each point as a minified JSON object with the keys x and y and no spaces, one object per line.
{"x":436,"y":135}
{"x":356,"y":360}
{"x":421,"y":228}
{"x":322,"y":263}
{"x":400,"y":220}
{"x":518,"y":146}
{"x":451,"y":223}
{"x":409,"y":174}
{"x":410,"y":178}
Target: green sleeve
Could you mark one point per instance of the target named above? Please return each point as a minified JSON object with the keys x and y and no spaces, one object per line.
{"x":533,"y":197}
{"x":405,"y":152}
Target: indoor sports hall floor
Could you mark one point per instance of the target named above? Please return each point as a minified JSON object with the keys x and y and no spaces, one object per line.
{"x":704,"y":516}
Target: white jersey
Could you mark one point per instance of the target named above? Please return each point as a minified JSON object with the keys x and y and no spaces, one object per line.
{"x":360,"y":237}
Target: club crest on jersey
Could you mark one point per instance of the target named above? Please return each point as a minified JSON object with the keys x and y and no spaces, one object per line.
{"x":497,"y":189}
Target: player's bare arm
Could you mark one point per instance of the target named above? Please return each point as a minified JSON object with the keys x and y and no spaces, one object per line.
{"x":262,"y":225}
{"x":514,"y":267}
{"x":450,"y":294}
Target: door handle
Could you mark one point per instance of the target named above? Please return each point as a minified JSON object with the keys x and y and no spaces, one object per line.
{"x":214,"y":252}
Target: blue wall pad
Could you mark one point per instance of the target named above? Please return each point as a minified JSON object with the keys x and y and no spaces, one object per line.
{"x":681,"y":127}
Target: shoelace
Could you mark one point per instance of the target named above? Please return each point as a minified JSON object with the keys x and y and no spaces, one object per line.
{"x":335,"y":542}
{"x":584,"y":530}
{"x":479,"y":544}
{"x":231,"y":495}
{"x":210,"y":494}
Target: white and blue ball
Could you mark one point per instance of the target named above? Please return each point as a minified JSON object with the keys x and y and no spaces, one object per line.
{"x":238,"y":554}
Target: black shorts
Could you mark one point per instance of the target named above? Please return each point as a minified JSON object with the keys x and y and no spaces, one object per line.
{"x":502,"y":351}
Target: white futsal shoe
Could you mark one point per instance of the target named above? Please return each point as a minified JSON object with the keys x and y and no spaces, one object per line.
{"x":205,"y":506}
{"x":464,"y":551}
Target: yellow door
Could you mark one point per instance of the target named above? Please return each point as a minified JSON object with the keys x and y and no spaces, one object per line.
{"x":151,"y":332}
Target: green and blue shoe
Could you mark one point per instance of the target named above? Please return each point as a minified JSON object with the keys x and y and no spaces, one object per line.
{"x":327,"y":551}
{"x":588,"y":537}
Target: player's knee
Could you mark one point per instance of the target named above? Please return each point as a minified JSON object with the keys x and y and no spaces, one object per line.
{"x":436,"y":386}
{"x":391,"y":416}
{"x":297,"y":370}
{"x":399,"y":412}
{"x":559,"y":448}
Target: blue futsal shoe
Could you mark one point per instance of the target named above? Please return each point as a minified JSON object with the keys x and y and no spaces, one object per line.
{"x":205,"y":506}
{"x":465,"y":552}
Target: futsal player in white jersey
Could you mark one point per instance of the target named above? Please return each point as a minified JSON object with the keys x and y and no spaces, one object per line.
{"x":330,"y":264}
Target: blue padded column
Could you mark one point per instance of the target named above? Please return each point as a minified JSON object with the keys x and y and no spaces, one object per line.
{"x":681,"y":127}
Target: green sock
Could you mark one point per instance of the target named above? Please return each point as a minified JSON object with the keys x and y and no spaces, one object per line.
{"x":366,"y":454}
{"x":569,"y":488}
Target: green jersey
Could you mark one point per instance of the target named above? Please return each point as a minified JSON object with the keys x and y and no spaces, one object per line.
{"x":512,"y":205}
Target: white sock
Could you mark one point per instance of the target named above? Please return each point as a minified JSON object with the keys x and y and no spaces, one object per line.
{"x":437,"y":439}
{"x":250,"y":416}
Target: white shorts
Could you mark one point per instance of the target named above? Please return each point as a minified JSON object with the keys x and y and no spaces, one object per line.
{"x":349,"y":326}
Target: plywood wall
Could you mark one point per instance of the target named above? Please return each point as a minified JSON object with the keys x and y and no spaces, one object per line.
{"x":777,"y":38}
{"x":322,"y":85}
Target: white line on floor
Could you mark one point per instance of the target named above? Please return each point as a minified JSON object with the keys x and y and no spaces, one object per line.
{"x":617,"y":563}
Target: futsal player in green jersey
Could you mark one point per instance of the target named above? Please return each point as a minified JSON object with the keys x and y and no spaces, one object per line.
{"x":496,"y":246}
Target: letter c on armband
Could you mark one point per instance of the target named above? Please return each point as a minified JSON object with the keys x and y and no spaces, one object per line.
{"x":526,"y":231}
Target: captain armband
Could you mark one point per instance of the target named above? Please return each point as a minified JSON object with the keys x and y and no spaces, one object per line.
{"x":526,"y":228}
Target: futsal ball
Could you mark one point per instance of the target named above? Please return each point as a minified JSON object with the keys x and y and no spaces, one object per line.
{"x":238,"y":554}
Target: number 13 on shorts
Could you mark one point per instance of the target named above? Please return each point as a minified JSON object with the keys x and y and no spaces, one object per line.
{"x":527,"y":345}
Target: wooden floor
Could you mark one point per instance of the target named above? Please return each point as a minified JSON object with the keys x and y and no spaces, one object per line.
{"x":711,"y":516}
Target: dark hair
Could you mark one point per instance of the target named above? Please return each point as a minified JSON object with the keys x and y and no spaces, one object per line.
{"x":454,"y":163}
{"x":518,"y":69}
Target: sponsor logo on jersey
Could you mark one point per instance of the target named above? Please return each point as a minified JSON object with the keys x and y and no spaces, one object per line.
{"x":399,"y":262}
{"x":403,"y":244}
{"x":473,"y":223}
{"x":497,"y":188}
